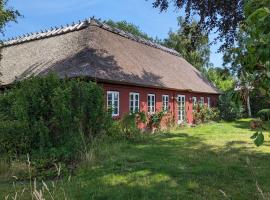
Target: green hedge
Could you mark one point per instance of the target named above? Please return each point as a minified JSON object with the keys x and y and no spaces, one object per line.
{"x":51,"y":117}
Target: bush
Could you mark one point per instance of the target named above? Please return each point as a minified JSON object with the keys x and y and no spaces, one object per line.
{"x":130,"y":122}
{"x":51,"y":118}
{"x":264,"y":114}
{"x":203,"y":114}
{"x":229,"y":109}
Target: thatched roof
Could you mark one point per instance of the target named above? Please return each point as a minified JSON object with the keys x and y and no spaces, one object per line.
{"x":95,"y":50}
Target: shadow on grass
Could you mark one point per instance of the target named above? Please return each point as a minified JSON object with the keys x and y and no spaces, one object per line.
{"x":173,"y":166}
{"x":244,"y":124}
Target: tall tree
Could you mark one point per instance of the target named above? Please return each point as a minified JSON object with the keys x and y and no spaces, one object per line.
{"x":215,"y":15}
{"x":7,"y":14}
{"x":258,"y":42}
{"x":192,"y":43}
{"x":129,"y":27}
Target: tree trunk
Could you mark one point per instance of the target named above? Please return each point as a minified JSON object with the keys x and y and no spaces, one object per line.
{"x":248,"y":106}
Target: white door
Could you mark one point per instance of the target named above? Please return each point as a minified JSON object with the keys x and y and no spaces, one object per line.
{"x":181,"y":100}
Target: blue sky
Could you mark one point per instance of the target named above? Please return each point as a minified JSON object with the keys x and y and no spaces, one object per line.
{"x":40,"y":14}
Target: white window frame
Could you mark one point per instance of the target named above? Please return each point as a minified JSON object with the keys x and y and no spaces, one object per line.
{"x":209,"y":102}
{"x":113,"y":93}
{"x":165,"y":102}
{"x":151,"y":105}
{"x":202,"y":101}
{"x":194,"y":101}
{"x":132,"y":97}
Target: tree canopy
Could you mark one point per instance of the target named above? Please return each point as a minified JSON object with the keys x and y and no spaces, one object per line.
{"x":214,"y":15}
{"x":6,"y":15}
{"x":191,"y":42}
{"x":129,"y":27}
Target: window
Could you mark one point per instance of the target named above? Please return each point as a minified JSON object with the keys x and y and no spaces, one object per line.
{"x":151,"y":100}
{"x":202,"y":101}
{"x":113,"y":102}
{"x":134,"y":99}
{"x":165,"y":102}
{"x":209,"y":102}
{"x":194,"y":101}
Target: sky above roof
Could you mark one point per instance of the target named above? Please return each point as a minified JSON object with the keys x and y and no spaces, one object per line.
{"x":40,"y":14}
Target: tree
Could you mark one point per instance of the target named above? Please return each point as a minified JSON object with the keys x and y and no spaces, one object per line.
{"x":258,"y":42}
{"x":129,"y":27}
{"x":6,"y":15}
{"x":214,"y":15}
{"x":192,"y":43}
{"x":221,"y":78}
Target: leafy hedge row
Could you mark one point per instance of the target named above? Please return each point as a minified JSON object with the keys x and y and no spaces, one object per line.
{"x":51,"y":117}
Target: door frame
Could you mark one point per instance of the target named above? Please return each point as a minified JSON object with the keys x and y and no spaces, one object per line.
{"x":183,"y":117}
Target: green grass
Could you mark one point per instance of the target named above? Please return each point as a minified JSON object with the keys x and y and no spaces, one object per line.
{"x":192,"y":163}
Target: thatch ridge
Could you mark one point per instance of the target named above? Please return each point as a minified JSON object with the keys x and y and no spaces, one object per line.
{"x":54,"y":31}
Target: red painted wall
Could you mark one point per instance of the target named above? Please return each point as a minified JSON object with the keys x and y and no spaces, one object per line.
{"x":124,"y":91}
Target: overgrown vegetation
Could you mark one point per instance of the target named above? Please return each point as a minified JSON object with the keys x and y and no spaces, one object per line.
{"x":53,"y":120}
{"x":189,"y":163}
{"x":204,"y":114}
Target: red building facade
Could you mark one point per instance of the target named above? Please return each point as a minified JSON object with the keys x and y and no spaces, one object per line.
{"x":175,"y":99}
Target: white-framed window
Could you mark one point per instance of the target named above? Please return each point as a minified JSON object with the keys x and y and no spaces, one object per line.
{"x":202,"y":101}
{"x":134,"y":102}
{"x":208,"y":102}
{"x":113,"y":102}
{"x":165,"y":102}
{"x":151,"y":103}
{"x":194,"y":101}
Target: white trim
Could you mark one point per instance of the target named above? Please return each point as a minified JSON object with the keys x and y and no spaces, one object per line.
{"x":194,"y":101}
{"x":113,"y":100}
{"x":151,"y":106}
{"x":202,"y":101}
{"x":134,"y":105}
{"x":182,"y":117}
{"x":209,"y":102}
{"x":167,"y":102}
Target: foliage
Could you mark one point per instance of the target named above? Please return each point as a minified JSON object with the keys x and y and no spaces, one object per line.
{"x":51,"y":118}
{"x":196,"y":160}
{"x":6,"y":14}
{"x":213,"y":15}
{"x":155,"y":119}
{"x":230,"y":109}
{"x":191,"y":42}
{"x":203,"y":114}
{"x":258,"y":138}
{"x":258,"y":42}
{"x":130,"y":122}
{"x":264,"y":114}
{"x":128,"y":27}
{"x":221,"y":78}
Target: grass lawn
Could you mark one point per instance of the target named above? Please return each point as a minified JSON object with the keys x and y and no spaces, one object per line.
{"x":206,"y":162}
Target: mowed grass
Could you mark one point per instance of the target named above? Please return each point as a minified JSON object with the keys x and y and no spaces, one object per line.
{"x":206,"y":162}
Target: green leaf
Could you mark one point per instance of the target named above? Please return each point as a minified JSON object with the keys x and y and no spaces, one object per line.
{"x":259,"y":140}
{"x":254,"y":136}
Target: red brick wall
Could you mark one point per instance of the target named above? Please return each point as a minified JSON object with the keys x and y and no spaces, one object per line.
{"x":124,"y":98}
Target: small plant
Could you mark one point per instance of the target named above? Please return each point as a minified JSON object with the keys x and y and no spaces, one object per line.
{"x":155,"y":120}
{"x":203,"y":114}
{"x":129,"y":123}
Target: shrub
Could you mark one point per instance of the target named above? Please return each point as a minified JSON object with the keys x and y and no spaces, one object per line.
{"x":203,"y":114}
{"x":155,"y":120}
{"x":264,"y":114}
{"x":51,"y":118}
{"x":130,"y":122}
{"x":229,"y":109}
